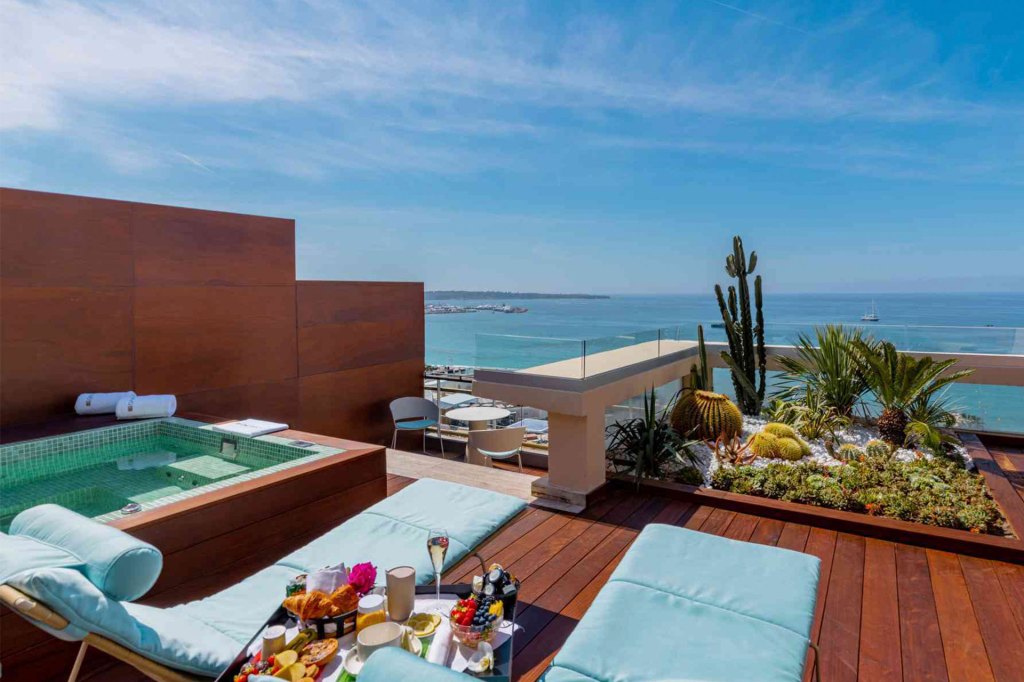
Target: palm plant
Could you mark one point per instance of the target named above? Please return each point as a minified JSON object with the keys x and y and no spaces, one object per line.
{"x":928,"y":416}
{"x":646,"y":445}
{"x":815,"y":418}
{"x":898,"y":380}
{"x":827,"y":365}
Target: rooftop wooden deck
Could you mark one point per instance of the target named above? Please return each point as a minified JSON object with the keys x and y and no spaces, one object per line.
{"x":885,"y":611}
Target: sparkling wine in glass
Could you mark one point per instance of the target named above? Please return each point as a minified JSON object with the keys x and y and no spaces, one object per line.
{"x":437,"y":546}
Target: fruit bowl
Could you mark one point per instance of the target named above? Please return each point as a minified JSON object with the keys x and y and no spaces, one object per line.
{"x":471,"y":630}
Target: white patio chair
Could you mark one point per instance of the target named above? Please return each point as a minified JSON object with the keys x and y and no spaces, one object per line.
{"x":415,"y":414}
{"x":499,"y":443}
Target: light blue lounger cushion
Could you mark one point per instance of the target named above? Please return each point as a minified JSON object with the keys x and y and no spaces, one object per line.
{"x":388,"y":529}
{"x":122,"y":566}
{"x":684,"y":605}
{"x":395,"y":665}
{"x":203,"y":636}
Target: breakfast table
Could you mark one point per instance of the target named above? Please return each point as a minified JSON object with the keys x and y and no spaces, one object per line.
{"x":479,"y":419}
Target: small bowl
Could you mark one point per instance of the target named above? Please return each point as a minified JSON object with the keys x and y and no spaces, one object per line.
{"x":473,"y":635}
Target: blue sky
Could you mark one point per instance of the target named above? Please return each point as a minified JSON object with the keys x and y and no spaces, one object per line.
{"x":607,"y":147}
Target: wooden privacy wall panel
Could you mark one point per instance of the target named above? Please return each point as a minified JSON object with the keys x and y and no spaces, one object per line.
{"x":182,"y":246}
{"x":59,"y":342}
{"x":190,"y":339}
{"x":354,"y":403}
{"x":58,"y":240}
{"x":345,"y":325}
{"x":321,"y":302}
{"x":276,"y":401}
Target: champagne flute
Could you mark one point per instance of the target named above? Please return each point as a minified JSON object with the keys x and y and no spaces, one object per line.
{"x":437,"y":546}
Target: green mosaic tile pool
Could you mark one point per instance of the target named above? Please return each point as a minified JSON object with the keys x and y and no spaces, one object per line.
{"x":80,"y":471}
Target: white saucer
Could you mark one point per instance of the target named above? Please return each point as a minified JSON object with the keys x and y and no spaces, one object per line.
{"x":353,"y":665}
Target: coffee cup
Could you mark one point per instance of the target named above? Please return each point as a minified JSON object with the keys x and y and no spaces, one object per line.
{"x":376,"y":637}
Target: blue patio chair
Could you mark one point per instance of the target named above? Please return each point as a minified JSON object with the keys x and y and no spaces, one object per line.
{"x":415,"y":414}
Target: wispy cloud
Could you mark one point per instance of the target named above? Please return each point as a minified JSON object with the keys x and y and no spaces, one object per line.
{"x":308,"y":88}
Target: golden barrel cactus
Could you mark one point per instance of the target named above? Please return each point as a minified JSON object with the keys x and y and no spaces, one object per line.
{"x":706,"y":415}
{"x":765,"y":445}
{"x":781,"y":430}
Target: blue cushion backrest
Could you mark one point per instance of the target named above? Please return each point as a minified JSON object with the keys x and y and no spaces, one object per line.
{"x":775,"y":585}
{"x":19,"y":554}
{"x":392,"y":664}
{"x":123,"y":566}
{"x":393,"y":532}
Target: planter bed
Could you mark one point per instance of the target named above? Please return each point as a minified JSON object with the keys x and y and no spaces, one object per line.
{"x":934,"y":537}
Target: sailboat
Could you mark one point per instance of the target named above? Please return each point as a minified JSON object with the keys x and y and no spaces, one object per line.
{"x":871,"y":316}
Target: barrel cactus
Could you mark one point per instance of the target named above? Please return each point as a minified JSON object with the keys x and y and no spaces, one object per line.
{"x":877,"y":448}
{"x":781,"y":430}
{"x":848,"y":452}
{"x":765,"y":445}
{"x":790,"y":449}
{"x":706,"y":415}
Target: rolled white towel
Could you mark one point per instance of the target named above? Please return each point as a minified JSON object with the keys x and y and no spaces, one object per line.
{"x":438,"y":651}
{"x":100,"y":403}
{"x":146,"y":406}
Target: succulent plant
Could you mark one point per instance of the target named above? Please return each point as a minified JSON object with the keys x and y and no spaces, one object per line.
{"x":877,"y":448}
{"x":765,"y":445}
{"x":706,"y":415}
{"x":781,"y":430}
{"x":848,"y":452}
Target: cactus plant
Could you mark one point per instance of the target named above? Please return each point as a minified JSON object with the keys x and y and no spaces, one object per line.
{"x":700,"y":373}
{"x":790,"y":449}
{"x":781,"y":430}
{"x":848,"y":452}
{"x":764,"y":445}
{"x":877,"y":448}
{"x":706,"y":415}
{"x":746,"y":361}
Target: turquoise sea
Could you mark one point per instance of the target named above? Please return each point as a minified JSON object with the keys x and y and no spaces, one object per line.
{"x":556,"y":329}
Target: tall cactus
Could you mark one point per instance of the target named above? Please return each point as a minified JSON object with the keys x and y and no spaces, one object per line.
{"x":745,"y":359}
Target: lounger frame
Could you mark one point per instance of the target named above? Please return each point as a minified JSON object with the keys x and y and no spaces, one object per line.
{"x":34,"y":610}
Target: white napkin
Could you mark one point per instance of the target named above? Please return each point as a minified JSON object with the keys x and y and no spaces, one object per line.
{"x":327,"y":580}
{"x":438,"y":651}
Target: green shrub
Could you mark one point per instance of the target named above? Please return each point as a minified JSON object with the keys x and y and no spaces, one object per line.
{"x":935,"y":492}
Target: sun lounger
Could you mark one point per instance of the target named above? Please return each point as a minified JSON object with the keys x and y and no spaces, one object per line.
{"x":684,"y":605}
{"x":75,"y":578}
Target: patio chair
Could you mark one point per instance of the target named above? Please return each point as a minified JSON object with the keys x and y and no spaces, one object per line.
{"x":415,"y":414}
{"x":76,"y":578}
{"x":499,"y":443}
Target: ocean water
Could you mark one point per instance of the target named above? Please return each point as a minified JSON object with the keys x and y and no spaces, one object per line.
{"x":556,"y":329}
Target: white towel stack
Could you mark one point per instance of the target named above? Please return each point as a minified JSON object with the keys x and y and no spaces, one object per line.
{"x":100,"y":403}
{"x":146,"y":406}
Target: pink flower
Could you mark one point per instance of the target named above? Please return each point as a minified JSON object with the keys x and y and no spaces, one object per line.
{"x":362,"y":578}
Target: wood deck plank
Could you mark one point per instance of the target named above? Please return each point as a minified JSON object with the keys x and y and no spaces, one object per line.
{"x":768,"y":532}
{"x":880,"y":654}
{"x":962,"y":644}
{"x":920,"y":638}
{"x":794,"y":537}
{"x":742,"y":527}
{"x":821,"y":543}
{"x":839,"y":638}
{"x":1002,"y":636}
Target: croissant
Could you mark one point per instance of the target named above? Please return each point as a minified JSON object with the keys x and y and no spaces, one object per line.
{"x":308,"y":605}
{"x":343,"y":600}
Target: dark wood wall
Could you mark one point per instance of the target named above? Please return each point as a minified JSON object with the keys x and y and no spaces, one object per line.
{"x":100,"y":295}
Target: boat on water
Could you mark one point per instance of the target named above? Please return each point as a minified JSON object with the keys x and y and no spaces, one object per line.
{"x":872,"y":315}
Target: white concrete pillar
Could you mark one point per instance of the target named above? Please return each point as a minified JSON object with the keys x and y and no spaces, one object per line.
{"x":576,"y":459}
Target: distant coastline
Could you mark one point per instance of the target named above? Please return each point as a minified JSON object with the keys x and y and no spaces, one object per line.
{"x":459,"y":295}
